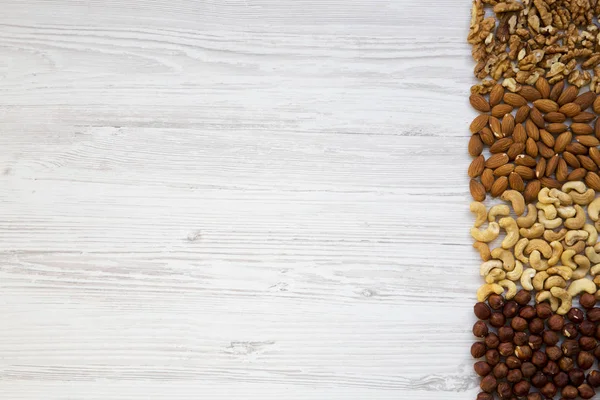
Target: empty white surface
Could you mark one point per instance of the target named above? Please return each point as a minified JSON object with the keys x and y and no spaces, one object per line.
{"x":236,"y":199}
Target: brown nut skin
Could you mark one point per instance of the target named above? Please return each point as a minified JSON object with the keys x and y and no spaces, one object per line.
{"x":504,"y":390}
{"x":506,"y":334}
{"x":482,"y":368}
{"x":548,"y":390}
{"x":575,"y":315}
{"x":506,"y":349}
{"x":519,"y":324}
{"x":492,"y":357}
{"x":485,"y":396}
{"x":587,"y":328}
{"x":480,"y":329}
{"x":597,"y":352}
{"x":539,"y":359}
{"x":535,"y":342}
{"x":488,"y":384}
{"x":586,"y":391}
{"x":491,"y":340}
{"x":536,"y":326}
{"x":587,"y":300}
{"x":569,"y":392}
{"x":478,"y":349}
{"x":530,"y":396}
{"x":556,"y":322}
{"x":500,"y":371}
{"x":523,"y":353}
{"x":527,"y":369}
{"x":593,"y":314}
{"x":587,"y":343}
{"x":527,"y":312}
{"x":543,"y":310}
{"x":521,"y":338}
{"x":523,"y":297}
{"x":497,"y":319}
{"x":576,"y":376}
{"x":551,"y":368}
{"x":513,"y":362}
{"x":561,"y":379}
{"x":511,"y":308}
{"x":514,"y":375}
{"x":570,"y":347}
{"x":570,"y":331}
{"x":539,"y":379}
{"x":482,"y":311}
{"x":566,"y":364}
{"x":550,"y":337}
{"x":585,"y":360}
{"x":593,"y":378}
{"x":521,"y":388}
{"x":495,"y":301}
{"x":554,"y":353}
{"x":597,"y":334}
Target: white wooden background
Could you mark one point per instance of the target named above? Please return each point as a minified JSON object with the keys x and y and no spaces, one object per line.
{"x":235,"y":199}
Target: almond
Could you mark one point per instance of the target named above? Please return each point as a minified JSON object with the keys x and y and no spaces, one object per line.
{"x":514,"y":99}
{"x":496,"y":160}
{"x":487,"y":179}
{"x":532,"y":189}
{"x":530,"y":93}
{"x":495,"y":126}
{"x":516,"y":182}
{"x":531,"y":148}
{"x":477,"y":190}
{"x":588,"y":141}
{"x":557,"y":90}
{"x":487,"y":136}
{"x":475,"y":145}
{"x":576,"y":148}
{"x":550,"y":183}
{"x":525,"y":172}
{"x":544,"y":150}
{"x":562,"y":141}
{"x":556,"y":128}
{"x":496,"y":95}
{"x":501,"y":110}
{"x":577,"y":174}
{"x":545,"y":105}
{"x":551,"y":165}
{"x":596,"y":105}
{"x":595,"y":155}
{"x":522,"y":114}
{"x":546,"y":138}
{"x":514,"y":150}
{"x":585,"y":100}
{"x":532,"y":130}
{"x":508,"y":125}
{"x":568,"y":95}
{"x":519,"y":134}
{"x":540,"y":168}
{"x":525,"y":160}
{"x":499,"y":186}
{"x":479,"y":123}
{"x":587,"y":163}
{"x":504,"y":170}
{"x":479,"y":103}
{"x":537,"y":118}
{"x":597,"y":129}
{"x":543,"y":87}
{"x":562,"y":171}
{"x":476,"y":167}
{"x":592,"y":180}
{"x":570,"y":109}
{"x":581,"y":129}
{"x":501,"y":145}
{"x":571,"y":159}
{"x":584,"y":117}
{"x":555,"y":117}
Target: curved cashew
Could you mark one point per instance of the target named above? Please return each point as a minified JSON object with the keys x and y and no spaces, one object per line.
{"x":499,"y":209}
{"x":487,"y":266}
{"x":545,"y":198}
{"x":547,"y":296}
{"x":508,"y":260}
{"x":529,"y":220}
{"x":512,"y":232}
{"x":565,"y":300}
{"x":486,"y":290}
{"x":536,"y":261}
{"x":549,"y":210}
{"x":578,"y":186}
{"x":562,"y":271}
{"x":578,"y":221}
{"x":480,"y":212}
{"x":484,"y":250}
{"x":536,"y":231}
{"x":583,"y":198}
{"x":591,"y":254}
{"x":578,"y":247}
{"x":581,"y":285}
{"x":495,"y":275}
{"x":519,"y":248}
{"x":516,"y":200}
{"x":549,"y":223}
{"x":566,"y":211}
{"x":563,"y":198}
{"x":597,"y":282}
{"x":597,"y":225}
{"x":557,"y":251}
{"x":539,"y":279}
{"x":486,"y":235}
{"x":511,"y":288}
{"x":592,"y":234}
{"x":567,"y":259}
{"x":516,"y":273}
{"x":555,"y":281}
{"x":552,"y":236}
{"x":526,"y":277}
{"x":583,"y":267}
{"x":574,"y":236}
{"x":594,"y":209}
{"x":595,"y":270}
{"x":540,"y":245}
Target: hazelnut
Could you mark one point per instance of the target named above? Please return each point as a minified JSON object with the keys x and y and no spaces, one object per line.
{"x":593,"y":378}
{"x":585,"y":360}
{"x":587,"y":328}
{"x":491,"y":340}
{"x":570,"y":347}
{"x":528,"y":369}
{"x":553,"y":352}
{"x":561,"y":379}
{"x":500,"y":371}
{"x":521,"y":388}
{"x":548,"y":390}
{"x":522,"y":297}
{"x":536,"y":326}
{"x":535,"y":342}
{"x":486,"y":396}
{"x":504,"y":390}
{"x":543,"y":310}
{"x":506,"y":334}
{"x":482,"y":311}
{"x":576,"y":376}
{"x":530,"y":396}
{"x":587,"y":300}
{"x":569,"y":392}
{"x":478,"y":349}
{"x":586,"y":391}
{"x":570,"y":331}
{"x":519,"y":324}
{"x":597,"y":352}
{"x":551,"y":368}
{"x":587,"y":343}
{"x":480,"y":329}
{"x":482,"y":368}
{"x":492,"y":357}
{"x":539,"y":359}
{"x":511,"y":308}
{"x":575,"y":315}
{"x":495,"y":301}
{"x":550,"y":338}
{"x":514,"y":375}
{"x":555,"y":322}
{"x":497,"y":319}
{"x":593,"y":314}
{"x":597,"y":334}
{"x":566,"y":364}
{"x":506,"y":349}
{"x":527,"y":312}
{"x":539,"y":379}
{"x":513,"y":362}
{"x":488,"y":384}
{"x":523,"y":352}
{"x":521,"y":338}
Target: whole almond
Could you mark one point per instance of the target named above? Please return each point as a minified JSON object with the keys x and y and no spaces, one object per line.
{"x":568,"y":95}
{"x":592,"y":180}
{"x":597,"y":129}
{"x":508,"y":125}
{"x":584,"y":117}
{"x":516,"y":182}
{"x":487,"y":179}
{"x":595,"y":155}
{"x":588,"y":140}
{"x":501,"y":110}
{"x":495,"y":126}
{"x":479,"y":123}
{"x":576,"y":148}
{"x":570,"y":109}
{"x":525,"y":172}
{"x":487,"y":136}
{"x":501,"y":145}
{"x":537,"y":118}
{"x":581,"y":129}
{"x":585,"y":100}
{"x":479,"y":103}
{"x":504,"y":170}
{"x":555,"y":117}
{"x":532,"y":130}
{"x":496,"y":160}
{"x":531,"y":148}
{"x":519,"y":134}
{"x":562,"y":140}
{"x":475,"y":145}
{"x":514,"y":99}
{"x":543,"y":87}
{"x":557,"y":90}
{"x":530,"y":93}
{"x":514,"y":150}
{"x":522,"y":114}
{"x":577,"y":174}
{"x":477,"y":190}
{"x":499,"y":186}
{"x":525,"y":160}
{"x":476,"y":167}
{"x":596,"y":105}
{"x":540,"y":168}
{"x":531,"y":190}
{"x":544,"y":150}
{"x":562,"y":171}
{"x":587,"y":163}
{"x":556,"y":128}
{"x":547,"y":138}
{"x":571,"y":159}
{"x":496,"y":95}
{"x":545,"y":105}
{"x":551,"y":165}
{"x":550,"y":183}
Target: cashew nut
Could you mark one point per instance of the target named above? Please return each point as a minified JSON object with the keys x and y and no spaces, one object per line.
{"x":484,"y":250}
{"x":536,"y":231}
{"x":536,"y":261}
{"x":583,"y":198}
{"x":545,"y":198}
{"x":498,"y":209}
{"x":565,"y":299}
{"x":487,"y":289}
{"x":574,"y":236}
{"x":567,"y":259}
{"x":552,"y":236}
{"x":519,"y":248}
{"x":516,"y":200}
{"x":495,"y":275}
{"x":597,"y":225}
{"x":578,"y":221}
{"x":516,"y":273}
{"x":549,"y":210}
{"x":594,"y":209}
{"x":581,"y":285}
{"x":583,"y":267}
{"x":539,"y":279}
{"x":555,"y":281}
{"x":529,"y":220}
{"x":480,"y":212}
{"x":486,"y":235}
{"x":597,"y":282}
{"x":549,"y":223}
{"x":578,"y":186}
{"x":593,"y":234}
{"x":557,"y":251}
{"x":547,"y":296}
{"x":507,"y":257}
{"x":487,"y":266}
{"x":526,"y":277}
{"x":563,"y":198}
{"x":511,"y":288}
{"x":566,"y":211}
{"x":512,"y":232}
{"x":541,"y":245}
{"x":595,"y":270}
{"x":562,"y":271}
{"x":578,"y":247}
{"x":591,"y":254}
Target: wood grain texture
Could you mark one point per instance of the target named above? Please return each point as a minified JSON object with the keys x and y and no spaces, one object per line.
{"x":240,"y":199}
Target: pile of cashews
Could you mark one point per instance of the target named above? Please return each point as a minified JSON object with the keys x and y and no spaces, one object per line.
{"x":550,"y":247}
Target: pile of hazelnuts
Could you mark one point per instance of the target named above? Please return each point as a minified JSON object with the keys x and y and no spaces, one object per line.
{"x":528,"y":351}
